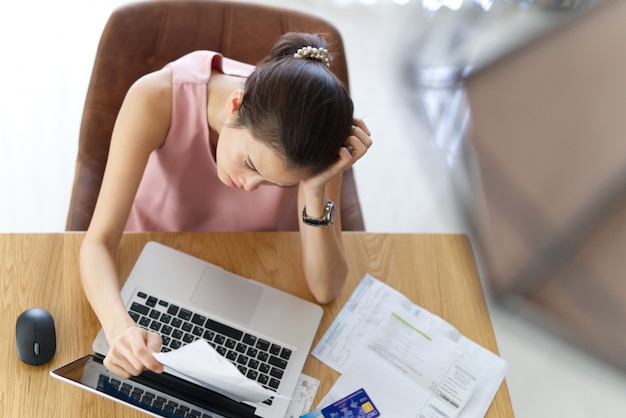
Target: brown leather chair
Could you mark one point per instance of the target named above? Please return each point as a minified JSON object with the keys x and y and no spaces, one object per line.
{"x":143,"y":37}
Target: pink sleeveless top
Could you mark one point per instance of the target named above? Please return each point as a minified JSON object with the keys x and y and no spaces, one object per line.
{"x":180,"y":189}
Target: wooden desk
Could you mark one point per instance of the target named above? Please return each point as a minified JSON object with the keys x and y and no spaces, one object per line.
{"x":438,"y":272}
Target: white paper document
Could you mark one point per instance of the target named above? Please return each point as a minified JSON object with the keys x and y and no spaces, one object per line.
{"x":411,"y":363}
{"x":201,"y":364}
{"x":303,"y":396}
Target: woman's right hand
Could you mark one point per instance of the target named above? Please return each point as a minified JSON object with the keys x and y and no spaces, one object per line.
{"x":355,"y":147}
{"x":130,"y":353}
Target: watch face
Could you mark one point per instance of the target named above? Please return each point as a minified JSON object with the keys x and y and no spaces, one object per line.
{"x":330,"y":213}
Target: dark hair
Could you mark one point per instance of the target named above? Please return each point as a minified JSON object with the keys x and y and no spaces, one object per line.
{"x":297,"y":106}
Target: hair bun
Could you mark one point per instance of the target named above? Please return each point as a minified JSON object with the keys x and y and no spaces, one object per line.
{"x":300,"y":45}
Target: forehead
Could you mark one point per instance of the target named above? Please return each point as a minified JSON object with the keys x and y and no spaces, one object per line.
{"x":271,"y":165}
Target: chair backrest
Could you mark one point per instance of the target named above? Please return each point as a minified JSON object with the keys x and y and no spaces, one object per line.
{"x":142,"y":37}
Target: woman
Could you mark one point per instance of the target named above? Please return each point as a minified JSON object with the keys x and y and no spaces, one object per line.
{"x":192,"y":145}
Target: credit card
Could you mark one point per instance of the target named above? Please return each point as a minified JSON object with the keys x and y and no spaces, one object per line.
{"x":355,"y":405}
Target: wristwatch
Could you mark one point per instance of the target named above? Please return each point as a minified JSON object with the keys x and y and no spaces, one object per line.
{"x":326,"y":220}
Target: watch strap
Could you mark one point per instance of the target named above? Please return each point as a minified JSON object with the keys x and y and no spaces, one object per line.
{"x":327,"y":219}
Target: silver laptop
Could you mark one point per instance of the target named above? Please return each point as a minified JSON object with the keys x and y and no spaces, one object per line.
{"x":265,"y":332}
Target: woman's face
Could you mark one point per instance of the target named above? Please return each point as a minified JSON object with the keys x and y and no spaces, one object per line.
{"x":245,"y":163}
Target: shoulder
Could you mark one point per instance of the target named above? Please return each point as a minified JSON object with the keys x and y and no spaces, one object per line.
{"x":152,"y":94}
{"x":146,"y":111}
{"x":197,"y":66}
{"x":153,"y":86}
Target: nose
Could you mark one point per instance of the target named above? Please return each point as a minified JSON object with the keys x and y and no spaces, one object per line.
{"x":251,"y":183}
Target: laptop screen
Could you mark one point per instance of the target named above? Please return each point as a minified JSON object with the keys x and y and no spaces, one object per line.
{"x":157,"y":394}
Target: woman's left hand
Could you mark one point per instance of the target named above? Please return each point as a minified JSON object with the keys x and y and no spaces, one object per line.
{"x":355,"y":147}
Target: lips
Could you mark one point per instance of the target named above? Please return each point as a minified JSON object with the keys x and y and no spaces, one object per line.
{"x":232,"y":183}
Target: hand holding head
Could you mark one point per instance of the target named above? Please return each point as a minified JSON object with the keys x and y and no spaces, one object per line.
{"x":354,"y":147}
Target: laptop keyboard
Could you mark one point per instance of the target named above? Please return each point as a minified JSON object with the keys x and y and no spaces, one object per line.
{"x":147,"y":399}
{"x":256,"y":358}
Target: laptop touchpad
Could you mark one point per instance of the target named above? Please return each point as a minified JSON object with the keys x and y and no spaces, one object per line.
{"x":227,"y":295}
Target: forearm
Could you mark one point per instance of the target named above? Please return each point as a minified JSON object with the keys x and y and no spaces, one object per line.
{"x":325,"y":265}
{"x":101,"y":285}
{"x":323,"y":255}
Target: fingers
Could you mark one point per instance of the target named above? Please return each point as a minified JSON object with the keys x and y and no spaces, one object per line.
{"x":131,"y":353}
{"x":357,"y":143}
{"x":361,"y":124}
{"x":355,"y":146}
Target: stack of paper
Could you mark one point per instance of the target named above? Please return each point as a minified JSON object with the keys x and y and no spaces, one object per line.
{"x":411,"y":362}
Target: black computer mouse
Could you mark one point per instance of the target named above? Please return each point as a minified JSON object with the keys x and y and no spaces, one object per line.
{"x":35,"y":336}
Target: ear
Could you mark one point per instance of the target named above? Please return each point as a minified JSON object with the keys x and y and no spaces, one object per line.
{"x":234,"y":101}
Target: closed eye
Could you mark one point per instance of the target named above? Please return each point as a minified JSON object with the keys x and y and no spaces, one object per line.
{"x":249,"y":166}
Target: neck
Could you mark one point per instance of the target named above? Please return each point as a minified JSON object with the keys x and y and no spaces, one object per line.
{"x":219,"y":89}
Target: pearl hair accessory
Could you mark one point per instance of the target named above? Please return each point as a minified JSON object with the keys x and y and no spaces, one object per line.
{"x":318,"y":54}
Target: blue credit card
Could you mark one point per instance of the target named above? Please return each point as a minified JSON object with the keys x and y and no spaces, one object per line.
{"x":355,"y":405}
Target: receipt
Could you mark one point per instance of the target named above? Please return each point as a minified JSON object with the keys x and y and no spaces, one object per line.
{"x":199,"y":363}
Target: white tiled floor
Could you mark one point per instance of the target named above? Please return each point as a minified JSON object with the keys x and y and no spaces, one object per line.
{"x":408,"y":182}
